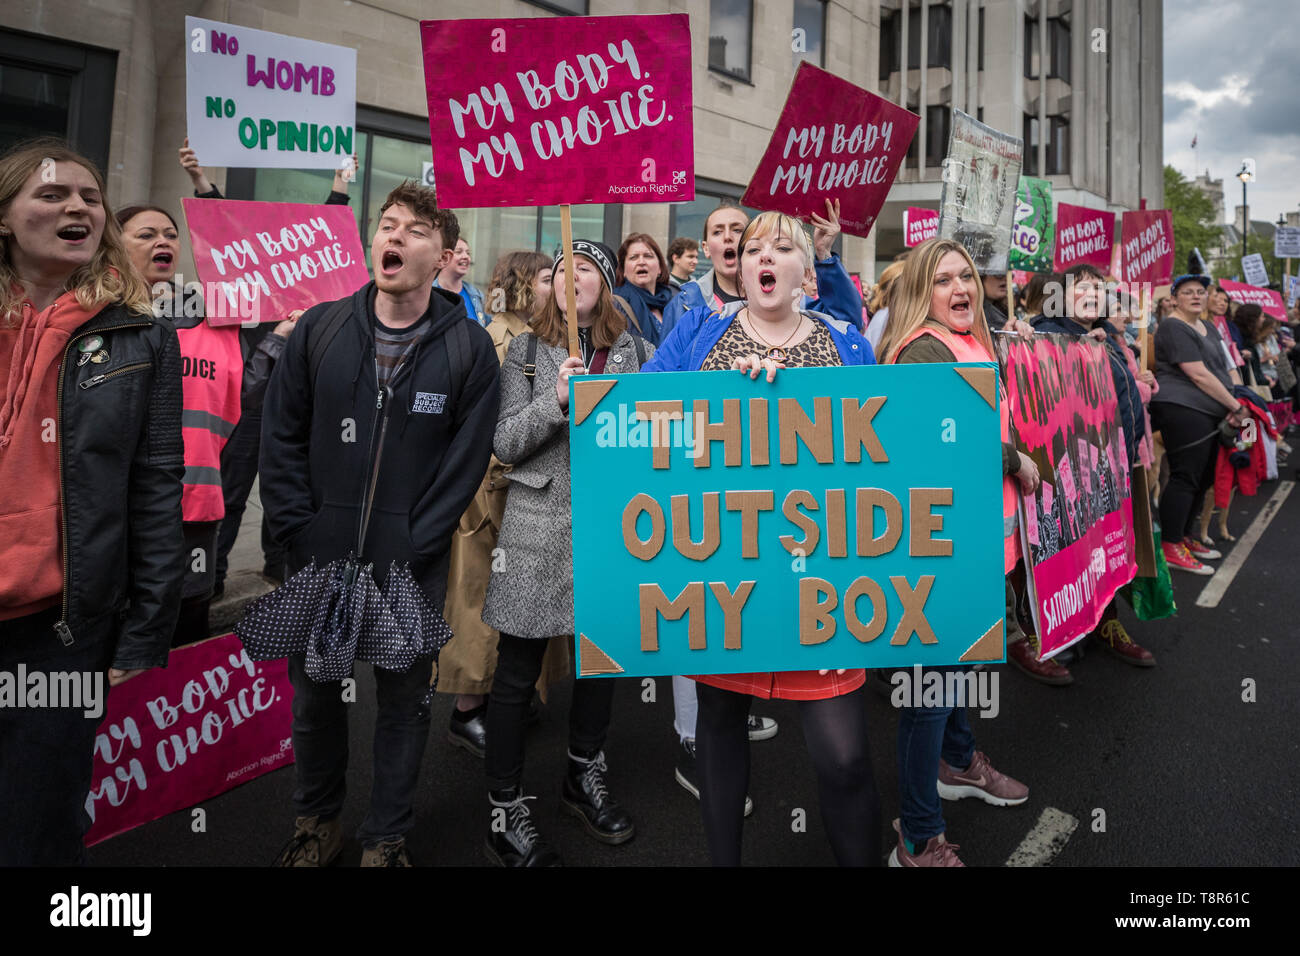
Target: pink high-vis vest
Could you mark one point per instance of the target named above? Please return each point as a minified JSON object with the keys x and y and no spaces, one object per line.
{"x":967,"y":348}
{"x":212,"y":371}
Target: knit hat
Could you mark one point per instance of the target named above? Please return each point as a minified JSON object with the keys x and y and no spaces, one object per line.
{"x":599,"y":253}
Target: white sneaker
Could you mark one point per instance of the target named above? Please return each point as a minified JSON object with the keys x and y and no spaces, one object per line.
{"x":761,"y":728}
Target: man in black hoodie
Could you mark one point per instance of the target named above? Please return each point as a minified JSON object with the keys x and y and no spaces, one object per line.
{"x":399,"y":363}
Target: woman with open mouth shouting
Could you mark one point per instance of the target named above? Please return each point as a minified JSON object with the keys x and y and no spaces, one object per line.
{"x":762,"y":333}
{"x":213,"y":375}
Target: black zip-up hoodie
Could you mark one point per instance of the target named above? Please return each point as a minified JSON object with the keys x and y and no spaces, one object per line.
{"x":318,"y":444}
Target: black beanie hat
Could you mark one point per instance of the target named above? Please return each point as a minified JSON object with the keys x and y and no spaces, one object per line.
{"x":599,"y":253}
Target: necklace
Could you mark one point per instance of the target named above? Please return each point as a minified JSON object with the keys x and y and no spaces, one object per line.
{"x":776,"y":352}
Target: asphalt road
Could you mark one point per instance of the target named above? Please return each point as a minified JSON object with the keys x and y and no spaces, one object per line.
{"x":1160,"y":767}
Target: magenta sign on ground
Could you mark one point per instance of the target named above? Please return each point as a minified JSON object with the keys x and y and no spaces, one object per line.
{"x":170,"y":738}
{"x":1078,"y":525}
{"x":834,"y":141}
{"x":259,"y":261}
{"x":1083,"y":235}
{"x":1147,"y":246}
{"x":546,"y":111}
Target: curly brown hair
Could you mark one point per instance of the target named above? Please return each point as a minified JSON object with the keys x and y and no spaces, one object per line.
{"x":423,"y":203}
{"x":511,"y":287}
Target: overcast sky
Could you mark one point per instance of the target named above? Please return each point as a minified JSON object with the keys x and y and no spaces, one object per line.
{"x":1232,"y":79}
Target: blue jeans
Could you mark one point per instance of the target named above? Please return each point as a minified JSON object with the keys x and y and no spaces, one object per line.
{"x":924,"y":735}
{"x":320,"y":746}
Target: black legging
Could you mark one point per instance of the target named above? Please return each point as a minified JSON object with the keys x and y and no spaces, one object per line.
{"x":1191,"y":446}
{"x":835,"y":731}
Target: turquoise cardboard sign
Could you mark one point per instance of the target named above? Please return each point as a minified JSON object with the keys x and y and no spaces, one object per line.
{"x":837,"y":517}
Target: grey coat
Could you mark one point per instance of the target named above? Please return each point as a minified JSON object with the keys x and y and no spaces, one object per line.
{"x":530,"y":593}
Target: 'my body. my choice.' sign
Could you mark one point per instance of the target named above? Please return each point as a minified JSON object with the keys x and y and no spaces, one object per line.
{"x":573,"y":110}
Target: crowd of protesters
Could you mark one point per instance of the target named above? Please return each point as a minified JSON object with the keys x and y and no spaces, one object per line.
{"x":153,"y":465}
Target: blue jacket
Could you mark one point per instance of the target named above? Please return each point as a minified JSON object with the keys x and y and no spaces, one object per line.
{"x":697,"y":331}
{"x":1127,"y":397}
{"x":839,"y":296}
{"x":476,"y":297}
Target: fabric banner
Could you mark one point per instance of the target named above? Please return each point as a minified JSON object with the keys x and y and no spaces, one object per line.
{"x":1083,"y":235}
{"x":1267,"y":299}
{"x":175,"y":736}
{"x":1147,"y":247}
{"x":813,"y":522}
{"x":545,"y":111}
{"x":919,"y":225}
{"x":851,"y":152}
{"x":1034,"y":232}
{"x":260,"y":99}
{"x":1078,"y":526}
{"x":259,"y":261}
{"x":978,"y":203}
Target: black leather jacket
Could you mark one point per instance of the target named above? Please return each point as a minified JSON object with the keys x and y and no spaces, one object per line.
{"x":121,"y":461}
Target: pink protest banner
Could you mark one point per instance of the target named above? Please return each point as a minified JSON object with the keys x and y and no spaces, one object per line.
{"x":259,"y":261}
{"x":850,"y":152}
{"x":1270,"y":301}
{"x":919,"y":225}
{"x":542,"y":111}
{"x":1079,"y":523}
{"x":1083,"y":235}
{"x":1147,"y":246}
{"x":173,"y":737}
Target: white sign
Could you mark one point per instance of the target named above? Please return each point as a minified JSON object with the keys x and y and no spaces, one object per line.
{"x":260,"y":99}
{"x":426,"y":174}
{"x":1286,"y":242}
{"x":1253,"y":268}
{"x":1293,"y":291}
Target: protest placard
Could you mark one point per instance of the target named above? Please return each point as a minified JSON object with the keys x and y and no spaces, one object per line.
{"x":978,"y":201}
{"x":1267,"y":299}
{"x":1078,"y":525}
{"x":812,"y":522}
{"x":1293,"y":290}
{"x":1034,"y":231}
{"x":260,"y":99}
{"x":919,"y":225}
{"x":1252,"y":267}
{"x":173,"y":737}
{"x":1147,"y":246}
{"x":542,"y":111}
{"x":1083,"y":235}
{"x":259,"y":261}
{"x":1286,"y":242}
{"x":834,"y":140}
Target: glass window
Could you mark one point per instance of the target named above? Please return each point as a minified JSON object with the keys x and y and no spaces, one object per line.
{"x":937,"y":128}
{"x":1030,"y":164}
{"x":1058,"y":32}
{"x":980,"y":64}
{"x":1032,"y":53}
{"x":1058,"y":147}
{"x":891,"y":26}
{"x":810,"y":17}
{"x":939,"y":29}
{"x":575,"y":7}
{"x":730,"y":28}
{"x":33,"y":102}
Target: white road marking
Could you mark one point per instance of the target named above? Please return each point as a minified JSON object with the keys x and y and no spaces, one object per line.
{"x":1045,"y":840}
{"x":1223,"y":577}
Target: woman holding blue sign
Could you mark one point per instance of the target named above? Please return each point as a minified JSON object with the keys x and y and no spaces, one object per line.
{"x":936,"y":315}
{"x":762,"y":333}
{"x":530,"y":598}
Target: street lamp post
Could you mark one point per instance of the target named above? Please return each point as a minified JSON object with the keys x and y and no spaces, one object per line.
{"x":1245,"y":174}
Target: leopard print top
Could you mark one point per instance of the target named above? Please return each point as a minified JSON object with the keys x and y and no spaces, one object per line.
{"x":818,"y":349}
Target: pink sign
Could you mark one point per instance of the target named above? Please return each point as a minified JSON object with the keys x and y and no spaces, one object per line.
{"x":170,"y":738}
{"x":1270,"y":301}
{"x":834,"y":141}
{"x":544,"y":111}
{"x":1083,"y":235}
{"x":259,"y":261}
{"x":1062,"y":401}
{"x":1147,"y":243}
{"x":919,"y":225}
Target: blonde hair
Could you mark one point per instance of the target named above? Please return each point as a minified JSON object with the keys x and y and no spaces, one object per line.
{"x":108,"y":278}
{"x":880,"y":294}
{"x":777,"y":225}
{"x":909,"y":299}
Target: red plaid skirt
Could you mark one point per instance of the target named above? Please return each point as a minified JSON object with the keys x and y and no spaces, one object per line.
{"x":789,"y":685}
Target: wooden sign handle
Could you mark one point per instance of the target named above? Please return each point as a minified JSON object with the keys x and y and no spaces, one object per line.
{"x":570,"y":299}
{"x":1146,"y":358}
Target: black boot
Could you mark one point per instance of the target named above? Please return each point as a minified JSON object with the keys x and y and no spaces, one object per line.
{"x":512,"y":839}
{"x":586,"y":797}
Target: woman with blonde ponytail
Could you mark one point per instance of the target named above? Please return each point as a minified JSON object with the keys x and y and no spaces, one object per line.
{"x":90,"y":484}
